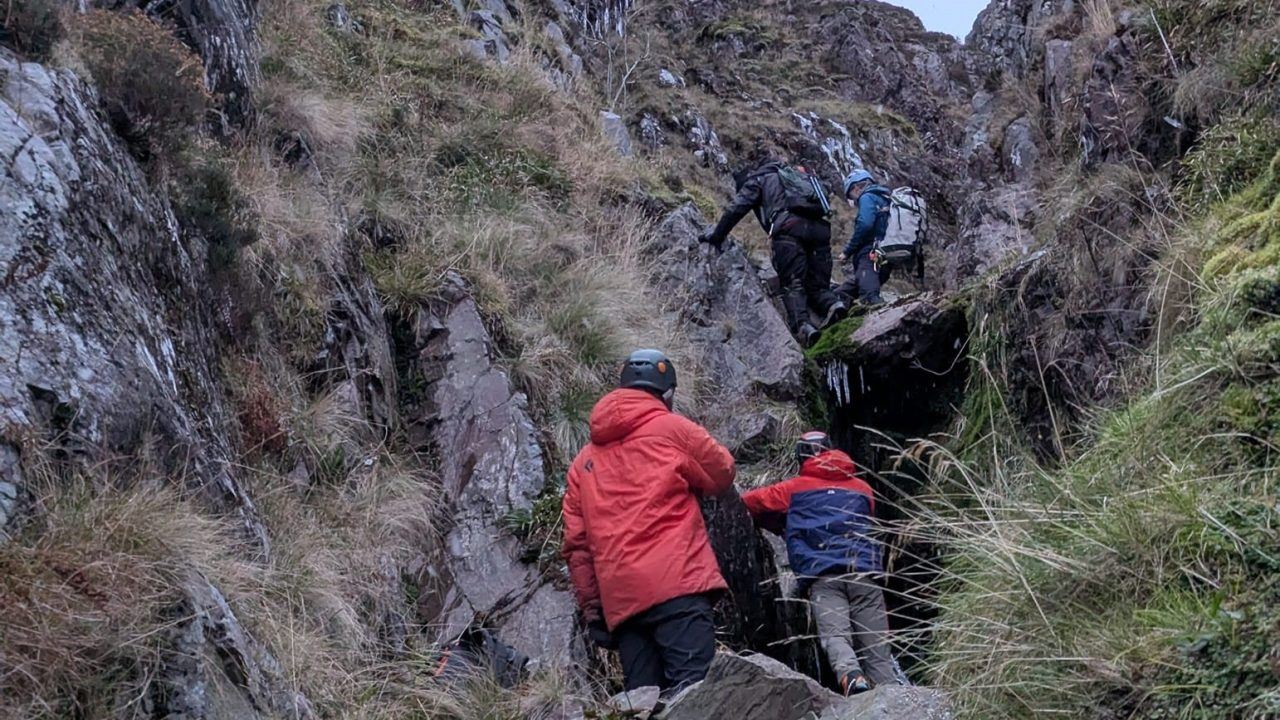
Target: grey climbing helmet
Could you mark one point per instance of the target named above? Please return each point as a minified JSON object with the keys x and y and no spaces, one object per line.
{"x":812,"y":444}
{"x":650,"y":370}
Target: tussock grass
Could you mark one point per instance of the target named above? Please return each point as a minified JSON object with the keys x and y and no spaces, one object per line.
{"x":1139,"y":577}
{"x":88,"y":589}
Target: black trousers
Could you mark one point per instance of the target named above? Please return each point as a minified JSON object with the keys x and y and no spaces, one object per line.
{"x":670,"y":645}
{"x":862,"y":280}
{"x":802,"y":259}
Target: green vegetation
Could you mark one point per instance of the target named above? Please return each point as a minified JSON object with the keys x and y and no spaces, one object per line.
{"x":151,"y":84}
{"x":1140,"y":575}
{"x":31,"y":27}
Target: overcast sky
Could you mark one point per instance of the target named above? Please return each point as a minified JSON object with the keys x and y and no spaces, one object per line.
{"x":954,"y":17}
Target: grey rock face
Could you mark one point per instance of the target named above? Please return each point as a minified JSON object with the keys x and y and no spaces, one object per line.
{"x":494,"y":43}
{"x":217,"y":670}
{"x":751,"y":687}
{"x":615,"y":131}
{"x":102,"y":300}
{"x":1021,"y":153}
{"x":354,"y":360}
{"x":1114,"y":108}
{"x":747,"y":356}
{"x":570,"y":61}
{"x":1058,"y":77}
{"x":995,"y":227}
{"x":490,"y":466}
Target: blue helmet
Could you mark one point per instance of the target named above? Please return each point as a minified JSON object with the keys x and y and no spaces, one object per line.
{"x":856,"y":177}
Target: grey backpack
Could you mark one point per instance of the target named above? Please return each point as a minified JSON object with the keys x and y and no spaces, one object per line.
{"x":907,"y":232}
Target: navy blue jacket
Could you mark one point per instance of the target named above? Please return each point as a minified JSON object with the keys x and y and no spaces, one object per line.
{"x":826,"y":515}
{"x":872,"y":222}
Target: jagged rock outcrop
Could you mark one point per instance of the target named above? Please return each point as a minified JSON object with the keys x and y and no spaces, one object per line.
{"x":748,"y":361}
{"x":490,"y":466}
{"x":888,"y":57}
{"x":216,"y":669}
{"x":755,"y":687}
{"x":101,"y":302}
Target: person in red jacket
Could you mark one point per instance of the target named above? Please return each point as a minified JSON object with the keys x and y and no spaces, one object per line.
{"x":638,"y":552}
{"x":826,"y":515}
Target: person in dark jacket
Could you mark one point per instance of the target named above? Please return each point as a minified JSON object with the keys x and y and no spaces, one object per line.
{"x":637,"y":548}
{"x":863,"y":275}
{"x":826,"y":516}
{"x":801,"y":249}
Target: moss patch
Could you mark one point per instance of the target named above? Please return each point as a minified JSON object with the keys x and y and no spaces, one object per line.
{"x":836,"y":341}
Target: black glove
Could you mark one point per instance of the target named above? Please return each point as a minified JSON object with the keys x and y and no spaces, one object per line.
{"x":600,"y":635}
{"x":711,"y":239}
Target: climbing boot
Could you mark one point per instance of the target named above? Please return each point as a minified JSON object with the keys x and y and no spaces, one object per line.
{"x":853,"y":684}
{"x":837,"y":312}
{"x":808,"y":334}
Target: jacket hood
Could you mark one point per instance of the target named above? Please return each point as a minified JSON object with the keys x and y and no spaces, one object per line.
{"x":880,"y":190}
{"x":621,"y":412}
{"x":830,"y":465}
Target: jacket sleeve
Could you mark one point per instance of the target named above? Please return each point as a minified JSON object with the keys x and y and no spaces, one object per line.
{"x":577,"y":553}
{"x":865,"y":225}
{"x":710,"y":468}
{"x":748,"y":199}
{"x":769,"y":505}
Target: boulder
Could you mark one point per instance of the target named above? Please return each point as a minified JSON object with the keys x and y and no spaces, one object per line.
{"x":341,"y":20}
{"x":751,"y":687}
{"x":893,"y":703}
{"x":899,"y":370}
{"x":638,"y":703}
{"x":614,"y":129}
{"x":490,"y":466}
{"x":666,"y":78}
{"x":748,"y":361}
{"x":104,"y":304}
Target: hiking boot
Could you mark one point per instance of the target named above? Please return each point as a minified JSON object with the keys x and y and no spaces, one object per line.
{"x":854,"y":684}
{"x":835,"y":314}
{"x":809,"y":335}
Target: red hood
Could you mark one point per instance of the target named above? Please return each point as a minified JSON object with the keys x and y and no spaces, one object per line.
{"x":619,"y":413}
{"x":830,"y":465}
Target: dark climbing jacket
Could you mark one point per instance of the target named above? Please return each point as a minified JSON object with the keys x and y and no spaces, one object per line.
{"x":872,"y":222}
{"x":763,"y":194}
{"x":826,"y":515}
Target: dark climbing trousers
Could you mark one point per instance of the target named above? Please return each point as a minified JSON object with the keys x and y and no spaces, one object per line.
{"x":861,"y":279}
{"x":802,"y":259}
{"x":670,"y":645}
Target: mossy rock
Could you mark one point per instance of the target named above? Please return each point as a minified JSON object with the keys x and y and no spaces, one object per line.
{"x":837,"y":340}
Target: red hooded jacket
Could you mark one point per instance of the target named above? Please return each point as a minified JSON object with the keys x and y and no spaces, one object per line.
{"x":633,"y":530}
